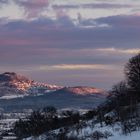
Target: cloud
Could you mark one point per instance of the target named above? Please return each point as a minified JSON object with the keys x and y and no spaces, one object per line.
{"x":77,"y":67}
{"x":121,"y":21}
{"x":10,"y":10}
{"x":92,"y":5}
{"x":63,"y":33}
{"x":33,"y":8}
{"x":118,"y":51}
{"x":4,"y":1}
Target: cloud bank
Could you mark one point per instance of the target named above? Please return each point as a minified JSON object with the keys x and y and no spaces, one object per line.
{"x":67,"y":43}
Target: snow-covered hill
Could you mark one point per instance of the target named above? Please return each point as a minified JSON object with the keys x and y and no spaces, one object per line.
{"x":83,"y":90}
{"x":19,"y":92}
{"x":13,"y":80}
{"x":12,"y":84}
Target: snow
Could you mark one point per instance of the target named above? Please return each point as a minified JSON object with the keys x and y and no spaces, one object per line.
{"x":133,"y":136}
{"x":9,"y":138}
{"x":12,"y":96}
{"x":115,"y":130}
{"x":88,"y":131}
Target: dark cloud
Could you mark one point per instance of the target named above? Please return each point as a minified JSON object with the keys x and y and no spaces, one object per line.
{"x":4,"y":1}
{"x":55,"y":6}
{"x":127,"y":21}
{"x":62,"y":33}
{"x":44,"y":41}
{"x":27,"y":45}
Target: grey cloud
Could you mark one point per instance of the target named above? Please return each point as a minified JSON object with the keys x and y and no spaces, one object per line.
{"x":4,"y":1}
{"x":48,"y":42}
{"x":93,"y":5}
{"x":121,"y":21}
{"x":66,"y":34}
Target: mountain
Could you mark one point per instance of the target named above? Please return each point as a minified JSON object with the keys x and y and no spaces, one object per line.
{"x":15,"y":84}
{"x":13,"y":80}
{"x":12,"y":83}
{"x":83,"y":90}
{"x":36,"y":95}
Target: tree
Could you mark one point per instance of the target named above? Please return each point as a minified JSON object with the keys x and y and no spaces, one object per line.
{"x":119,"y":89}
{"x":119,"y":94}
{"x":120,"y":98}
{"x":49,"y":112}
{"x":132,"y":72}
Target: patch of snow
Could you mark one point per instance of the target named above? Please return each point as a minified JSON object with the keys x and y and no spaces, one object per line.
{"x":12,"y":96}
{"x":134,"y":136}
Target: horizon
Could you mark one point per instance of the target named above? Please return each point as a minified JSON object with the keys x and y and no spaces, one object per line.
{"x":68,"y":43}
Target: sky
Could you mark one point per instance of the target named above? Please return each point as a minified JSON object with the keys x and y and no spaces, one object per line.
{"x":69,"y":42}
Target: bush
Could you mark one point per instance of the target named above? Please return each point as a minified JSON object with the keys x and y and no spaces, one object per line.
{"x":107,"y":134}
{"x":97,"y":135}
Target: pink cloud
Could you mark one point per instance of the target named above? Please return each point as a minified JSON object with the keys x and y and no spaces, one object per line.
{"x":137,"y":14}
{"x":33,"y":7}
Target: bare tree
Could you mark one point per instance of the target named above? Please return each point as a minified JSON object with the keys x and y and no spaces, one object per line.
{"x":119,"y":89}
{"x":132,"y":72}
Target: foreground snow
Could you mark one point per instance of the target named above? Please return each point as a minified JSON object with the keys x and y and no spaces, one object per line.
{"x":87,"y":131}
{"x":133,"y":136}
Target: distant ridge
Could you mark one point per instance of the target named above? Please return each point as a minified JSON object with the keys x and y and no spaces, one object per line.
{"x":13,"y":83}
{"x":84,"y":90}
{"x":20,"y":92}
